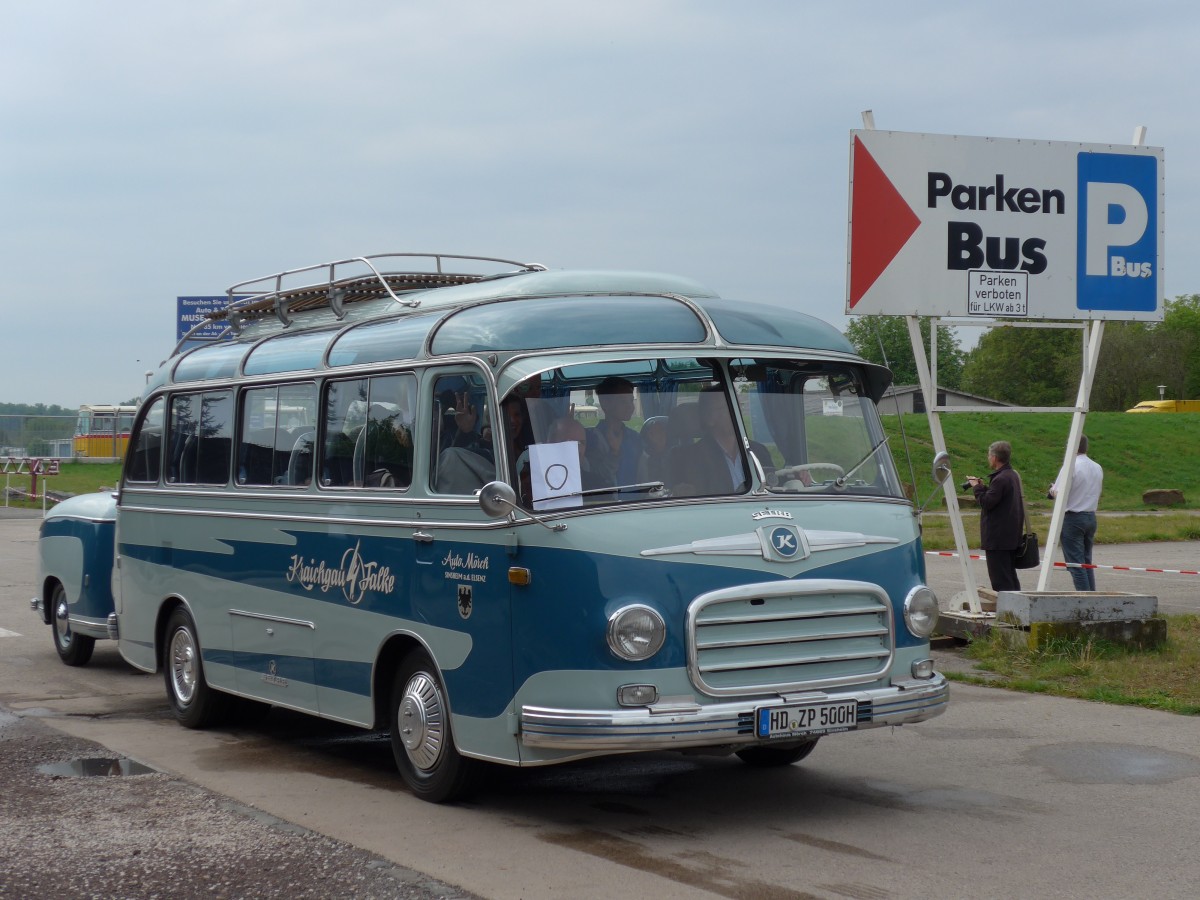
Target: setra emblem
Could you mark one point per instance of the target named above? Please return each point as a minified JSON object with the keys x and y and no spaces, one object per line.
{"x":785,"y":542}
{"x":273,"y":677}
{"x":770,"y":514}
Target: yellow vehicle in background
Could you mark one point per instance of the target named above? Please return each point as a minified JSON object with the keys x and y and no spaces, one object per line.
{"x":103,"y":431}
{"x":1167,"y":406}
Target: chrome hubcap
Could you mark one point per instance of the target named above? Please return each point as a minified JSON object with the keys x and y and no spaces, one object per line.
{"x":62,"y":623}
{"x":183,"y":666}
{"x":421,"y":721}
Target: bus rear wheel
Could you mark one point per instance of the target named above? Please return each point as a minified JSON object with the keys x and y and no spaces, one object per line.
{"x":767,"y":757}
{"x":73,"y":649}
{"x":422,"y":738}
{"x":195,"y":704}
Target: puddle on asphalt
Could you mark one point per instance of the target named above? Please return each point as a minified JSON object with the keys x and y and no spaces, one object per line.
{"x":96,"y":766}
{"x":1100,"y":763}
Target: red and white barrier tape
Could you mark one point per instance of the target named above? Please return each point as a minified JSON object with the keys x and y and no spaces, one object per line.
{"x":1064,"y":565}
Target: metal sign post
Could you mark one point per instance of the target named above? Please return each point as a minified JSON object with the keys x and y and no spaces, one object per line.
{"x":927,"y":377}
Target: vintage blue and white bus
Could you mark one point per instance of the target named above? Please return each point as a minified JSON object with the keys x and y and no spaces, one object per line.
{"x":523,"y":516}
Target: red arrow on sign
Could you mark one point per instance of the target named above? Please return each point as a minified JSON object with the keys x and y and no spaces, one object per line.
{"x":881,"y":222}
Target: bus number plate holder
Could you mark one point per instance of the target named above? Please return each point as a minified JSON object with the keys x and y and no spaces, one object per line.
{"x":771,"y":722}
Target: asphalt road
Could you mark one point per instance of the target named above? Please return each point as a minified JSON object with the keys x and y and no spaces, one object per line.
{"x":1005,"y":795}
{"x":1176,"y":593}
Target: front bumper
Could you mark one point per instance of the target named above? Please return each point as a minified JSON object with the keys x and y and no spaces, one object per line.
{"x":668,"y":726}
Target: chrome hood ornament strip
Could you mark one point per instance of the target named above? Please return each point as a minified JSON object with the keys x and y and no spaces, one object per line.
{"x":776,"y":543}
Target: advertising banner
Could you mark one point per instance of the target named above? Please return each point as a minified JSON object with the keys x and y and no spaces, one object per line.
{"x":190,"y":311}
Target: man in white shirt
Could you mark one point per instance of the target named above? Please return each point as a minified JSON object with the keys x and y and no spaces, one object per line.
{"x":1079,"y":525}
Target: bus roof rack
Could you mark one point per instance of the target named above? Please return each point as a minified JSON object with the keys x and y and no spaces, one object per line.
{"x":268,"y":295}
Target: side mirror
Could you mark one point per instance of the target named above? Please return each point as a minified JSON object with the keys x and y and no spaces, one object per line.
{"x":497,"y":499}
{"x":940,"y":470}
{"x":941,"y":467}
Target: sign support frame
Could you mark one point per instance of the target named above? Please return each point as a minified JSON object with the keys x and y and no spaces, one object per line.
{"x":966,"y":603}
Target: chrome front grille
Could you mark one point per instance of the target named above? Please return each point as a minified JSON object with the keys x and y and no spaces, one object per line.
{"x":787,"y":636}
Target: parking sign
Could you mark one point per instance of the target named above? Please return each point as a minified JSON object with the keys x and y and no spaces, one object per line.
{"x":988,"y":227}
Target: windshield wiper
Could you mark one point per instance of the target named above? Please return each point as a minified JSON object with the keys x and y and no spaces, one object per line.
{"x":647,"y":487}
{"x":841,"y":481}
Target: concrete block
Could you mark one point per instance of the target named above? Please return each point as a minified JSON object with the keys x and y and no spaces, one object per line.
{"x":1027,"y":607}
{"x":1135,"y":634}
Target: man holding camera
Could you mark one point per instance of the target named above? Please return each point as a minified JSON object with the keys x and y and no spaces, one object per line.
{"x":1002,"y":516}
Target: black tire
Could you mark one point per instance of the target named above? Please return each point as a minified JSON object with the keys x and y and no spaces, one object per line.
{"x":195,"y":704}
{"x":422,"y":738}
{"x":73,"y":649}
{"x":769,"y":757}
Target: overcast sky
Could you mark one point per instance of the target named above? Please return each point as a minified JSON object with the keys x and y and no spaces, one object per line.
{"x":155,"y":149}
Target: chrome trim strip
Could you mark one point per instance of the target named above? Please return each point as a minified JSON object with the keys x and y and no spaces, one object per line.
{"x":903,"y":703}
{"x":749,"y":665}
{"x":818,"y":614}
{"x":266,"y":618}
{"x":748,"y":544}
{"x":487,"y":525}
{"x":798,"y":639}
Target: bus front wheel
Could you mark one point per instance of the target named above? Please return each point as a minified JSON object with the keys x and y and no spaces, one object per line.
{"x":195,"y":704}
{"x":422,"y":739}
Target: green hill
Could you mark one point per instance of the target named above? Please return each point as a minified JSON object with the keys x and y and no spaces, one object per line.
{"x":1139,"y":452}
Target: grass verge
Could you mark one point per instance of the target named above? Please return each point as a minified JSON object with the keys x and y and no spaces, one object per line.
{"x":1166,"y":679}
{"x":1111,"y":529}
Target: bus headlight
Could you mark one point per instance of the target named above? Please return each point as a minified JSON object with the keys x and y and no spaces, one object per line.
{"x":921,"y":611}
{"x":635,"y":632}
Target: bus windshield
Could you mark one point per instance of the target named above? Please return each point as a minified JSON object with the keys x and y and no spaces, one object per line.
{"x":642,"y":430}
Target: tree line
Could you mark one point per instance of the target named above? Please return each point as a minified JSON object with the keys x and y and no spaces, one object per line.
{"x":1041,"y":366}
{"x":35,"y":409}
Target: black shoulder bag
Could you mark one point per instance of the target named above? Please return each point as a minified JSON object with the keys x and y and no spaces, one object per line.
{"x":1027,"y":549}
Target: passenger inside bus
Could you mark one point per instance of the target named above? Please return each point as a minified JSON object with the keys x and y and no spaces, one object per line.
{"x":656,"y":457}
{"x":463,"y":459}
{"x":715,"y":464}
{"x":613,"y":448}
{"x":518,"y":435}
{"x":458,"y":423}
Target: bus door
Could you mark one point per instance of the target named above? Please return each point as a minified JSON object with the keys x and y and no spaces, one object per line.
{"x":460,"y":580}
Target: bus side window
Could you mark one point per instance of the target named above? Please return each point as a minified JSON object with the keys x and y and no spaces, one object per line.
{"x":200,"y":438}
{"x":462,"y":458}
{"x":276,"y":435}
{"x":215,"y":437}
{"x":295,"y":434}
{"x":145,"y":455}
{"x":345,"y":415}
{"x":385,"y":459}
{"x":181,"y":438}
{"x":369,"y":432}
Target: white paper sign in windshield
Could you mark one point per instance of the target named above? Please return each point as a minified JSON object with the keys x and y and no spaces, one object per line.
{"x":998,"y":228}
{"x":554,"y":472}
